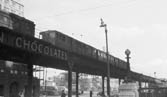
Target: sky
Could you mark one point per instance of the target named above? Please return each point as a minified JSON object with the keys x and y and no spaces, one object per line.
{"x":137,"y":25}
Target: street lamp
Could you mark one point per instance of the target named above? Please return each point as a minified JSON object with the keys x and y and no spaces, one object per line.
{"x":108,"y":65}
{"x":127,"y":53}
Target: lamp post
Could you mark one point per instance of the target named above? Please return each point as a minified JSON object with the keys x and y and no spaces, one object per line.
{"x":127,"y":53}
{"x":108,"y":65}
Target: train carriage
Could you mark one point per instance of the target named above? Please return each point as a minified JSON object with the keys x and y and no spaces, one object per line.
{"x":57,"y":38}
{"x":121,"y":64}
{"x":67,"y":43}
{"x":124,"y":65}
{"x":116,"y":62}
{"x":102,"y":56}
{"x":75,"y":46}
{"x":88,"y":50}
{"x":111,"y":60}
{"x":22,"y":25}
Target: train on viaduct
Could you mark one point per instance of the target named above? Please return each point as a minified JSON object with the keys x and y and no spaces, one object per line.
{"x":54,"y":50}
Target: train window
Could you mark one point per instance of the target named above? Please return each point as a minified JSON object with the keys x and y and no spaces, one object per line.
{"x":15,"y":71}
{"x":56,"y":35}
{"x":94,"y":52}
{"x":63,"y":38}
{"x":89,"y":50}
{"x":115,"y":62}
{"x":112,"y":59}
{"x":11,"y":71}
{"x":52,"y":35}
{"x":103,"y":55}
{"x":1,"y":90}
{"x":2,"y":70}
{"x":60,"y":37}
{"x":99,"y":53}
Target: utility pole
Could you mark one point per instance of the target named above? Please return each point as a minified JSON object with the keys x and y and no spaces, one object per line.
{"x":108,"y":65}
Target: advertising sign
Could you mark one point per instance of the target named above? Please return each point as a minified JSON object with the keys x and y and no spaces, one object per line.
{"x":31,"y":44}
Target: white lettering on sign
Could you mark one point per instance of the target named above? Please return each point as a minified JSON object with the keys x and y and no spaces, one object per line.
{"x":26,"y":44}
{"x":18,"y":42}
{"x":40,"y":48}
{"x":46,"y":50}
{"x":34,"y":46}
{"x":1,"y":37}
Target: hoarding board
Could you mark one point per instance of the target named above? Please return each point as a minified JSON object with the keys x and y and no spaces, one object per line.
{"x":30,"y":44}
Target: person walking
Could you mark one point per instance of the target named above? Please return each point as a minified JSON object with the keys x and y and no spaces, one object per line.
{"x":63,"y":94}
{"x":91,"y":93}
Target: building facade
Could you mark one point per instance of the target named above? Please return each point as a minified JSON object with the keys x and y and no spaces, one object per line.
{"x":13,"y":6}
{"x":14,"y":80}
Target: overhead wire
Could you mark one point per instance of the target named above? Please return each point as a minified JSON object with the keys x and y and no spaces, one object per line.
{"x":127,"y":3}
{"x":93,"y":8}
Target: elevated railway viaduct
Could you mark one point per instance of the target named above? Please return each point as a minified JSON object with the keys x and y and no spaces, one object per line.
{"x":26,"y":49}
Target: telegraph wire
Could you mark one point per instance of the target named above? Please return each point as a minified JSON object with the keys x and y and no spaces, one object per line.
{"x":93,"y":8}
{"x":129,"y":2}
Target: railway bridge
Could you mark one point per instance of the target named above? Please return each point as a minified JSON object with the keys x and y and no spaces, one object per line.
{"x":29,"y":50}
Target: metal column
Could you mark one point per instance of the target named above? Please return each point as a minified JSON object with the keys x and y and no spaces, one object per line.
{"x":77,"y":82}
{"x":119,"y":81}
{"x":107,"y":54}
{"x":70,"y":65}
{"x":30,"y":80}
{"x":103,"y":85}
{"x":139,"y":88}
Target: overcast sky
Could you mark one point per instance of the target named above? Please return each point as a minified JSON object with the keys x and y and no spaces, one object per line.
{"x":139,"y":25}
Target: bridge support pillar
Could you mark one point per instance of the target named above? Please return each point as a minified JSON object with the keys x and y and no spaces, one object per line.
{"x":30,"y":80}
{"x":119,"y":81}
{"x":145,"y":84}
{"x":139,"y":84}
{"x":77,"y":82}
{"x":139,"y":88}
{"x":70,"y":66}
{"x":103,"y":77}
